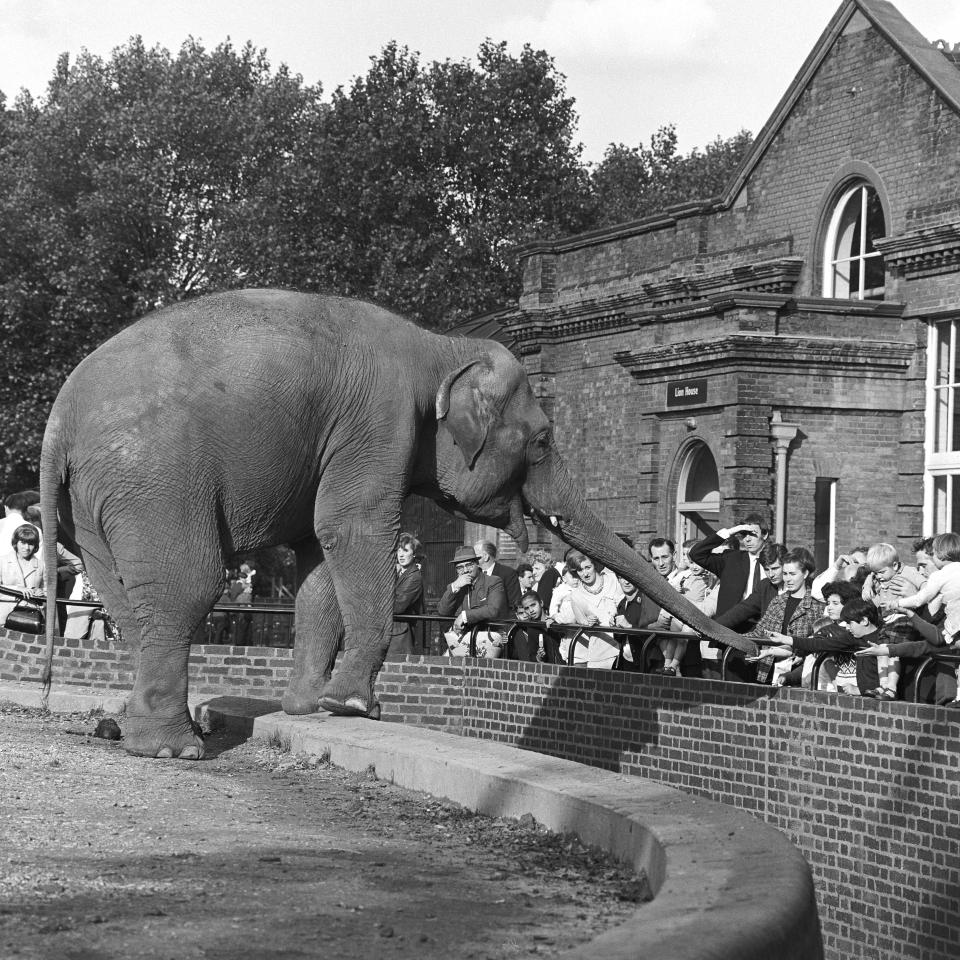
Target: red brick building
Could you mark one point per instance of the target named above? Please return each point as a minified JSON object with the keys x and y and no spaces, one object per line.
{"x":812,"y":309}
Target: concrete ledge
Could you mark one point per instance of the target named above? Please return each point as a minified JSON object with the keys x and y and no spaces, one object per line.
{"x":64,"y":699}
{"x":727,"y":885}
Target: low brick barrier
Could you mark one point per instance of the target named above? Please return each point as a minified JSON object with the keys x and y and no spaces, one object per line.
{"x":868,"y":791}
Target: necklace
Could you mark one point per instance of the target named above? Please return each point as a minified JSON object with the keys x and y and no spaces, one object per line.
{"x":594,"y":589}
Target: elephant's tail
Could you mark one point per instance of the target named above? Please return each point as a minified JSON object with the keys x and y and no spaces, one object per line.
{"x":53,"y":475}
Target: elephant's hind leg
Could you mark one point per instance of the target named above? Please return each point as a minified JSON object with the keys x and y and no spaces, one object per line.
{"x":170,"y":591}
{"x":319,"y":631}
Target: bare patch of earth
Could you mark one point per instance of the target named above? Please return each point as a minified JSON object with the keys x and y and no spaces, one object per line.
{"x":256,"y":853}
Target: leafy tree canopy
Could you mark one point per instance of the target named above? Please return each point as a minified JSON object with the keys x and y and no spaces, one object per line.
{"x":634,"y":182}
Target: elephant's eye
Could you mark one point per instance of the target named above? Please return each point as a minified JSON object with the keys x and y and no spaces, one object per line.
{"x":539,"y":446}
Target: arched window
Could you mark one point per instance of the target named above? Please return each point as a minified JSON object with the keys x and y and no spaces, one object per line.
{"x":852,"y":266}
{"x":698,"y":494}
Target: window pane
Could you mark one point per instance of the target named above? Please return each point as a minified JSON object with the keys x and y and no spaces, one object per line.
{"x":875,"y":225}
{"x":874,"y":279}
{"x":841,"y":279}
{"x":942,"y":374}
{"x":940,"y":504}
{"x":848,"y":229}
{"x":950,"y":334}
{"x":954,"y":504}
{"x":941,"y":413}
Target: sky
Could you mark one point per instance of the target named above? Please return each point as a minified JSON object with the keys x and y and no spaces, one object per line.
{"x":711,"y":67}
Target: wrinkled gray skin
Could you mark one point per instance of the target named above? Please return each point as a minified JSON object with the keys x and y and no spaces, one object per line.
{"x":261,"y":417}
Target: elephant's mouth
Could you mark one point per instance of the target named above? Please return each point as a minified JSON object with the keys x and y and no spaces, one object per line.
{"x":549,"y":521}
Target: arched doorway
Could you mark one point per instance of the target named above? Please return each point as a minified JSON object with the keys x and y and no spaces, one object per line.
{"x":698,"y":494}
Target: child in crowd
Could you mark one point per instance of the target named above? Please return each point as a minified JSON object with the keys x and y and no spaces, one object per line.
{"x":942,"y":589}
{"x":527,"y":643}
{"x":861,"y":618}
{"x":562,"y":593}
{"x":693,"y":582}
{"x":887,"y":581}
{"x":839,"y":673}
{"x":855,"y":626}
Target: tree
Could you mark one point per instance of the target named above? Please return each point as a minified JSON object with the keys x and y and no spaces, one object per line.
{"x":110,"y":194}
{"x":416,"y":182}
{"x":635,"y":182}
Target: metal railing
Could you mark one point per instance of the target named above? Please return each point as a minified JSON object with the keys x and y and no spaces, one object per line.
{"x":578,"y":633}
{"x":271,"y":625}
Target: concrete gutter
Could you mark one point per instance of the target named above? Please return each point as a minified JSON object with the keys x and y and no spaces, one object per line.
{"x":727,"y":886}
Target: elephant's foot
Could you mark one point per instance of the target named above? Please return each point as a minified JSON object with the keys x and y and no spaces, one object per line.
{"x":163,"y":738}
{"x":298,"y":700}
{"x":351,"y":707}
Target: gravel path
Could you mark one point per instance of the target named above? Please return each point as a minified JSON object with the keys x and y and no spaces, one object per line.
{"x":256,"y":853}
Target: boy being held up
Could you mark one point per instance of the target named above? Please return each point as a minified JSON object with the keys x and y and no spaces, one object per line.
{"x":889,"y":579}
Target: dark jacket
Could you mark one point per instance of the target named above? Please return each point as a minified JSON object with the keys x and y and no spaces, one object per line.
{"x":407,"y":598}
{"x":546,"y":585}
{"x":835,"y":639}
{"x":526,"y":640}
{"x":732,"y":567}
{"x":511,"y":583}
{"x":484,"y":600}
{"x":749,"y":610}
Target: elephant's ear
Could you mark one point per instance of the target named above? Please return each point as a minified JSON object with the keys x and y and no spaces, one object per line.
{"x":466,"y":408}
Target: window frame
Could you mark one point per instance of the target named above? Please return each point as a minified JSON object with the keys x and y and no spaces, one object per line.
{"x":941,"y":475}
{"x":830,"y":260}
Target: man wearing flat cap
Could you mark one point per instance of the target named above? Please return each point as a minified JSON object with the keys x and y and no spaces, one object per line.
{"x":474,"y":596}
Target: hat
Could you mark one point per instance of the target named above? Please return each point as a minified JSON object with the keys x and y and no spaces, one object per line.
{"x":463,"y":554}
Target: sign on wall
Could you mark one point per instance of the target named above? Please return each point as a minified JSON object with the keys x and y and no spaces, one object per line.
{"x":683,"y":392}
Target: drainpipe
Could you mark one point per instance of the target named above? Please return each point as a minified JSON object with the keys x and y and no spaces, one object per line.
{"x":782,"y":435}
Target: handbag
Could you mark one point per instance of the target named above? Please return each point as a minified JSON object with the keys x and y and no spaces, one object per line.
{"x":25,"y":617}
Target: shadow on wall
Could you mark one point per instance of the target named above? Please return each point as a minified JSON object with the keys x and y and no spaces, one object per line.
{"x":625,"y":722}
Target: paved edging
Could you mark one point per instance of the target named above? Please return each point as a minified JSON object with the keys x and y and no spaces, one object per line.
{"x":727,"y":885}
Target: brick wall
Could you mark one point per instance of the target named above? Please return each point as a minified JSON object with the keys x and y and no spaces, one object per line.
{"x":260,"y":672}
{"x":867,"y":791}
{"x":638,"y":290}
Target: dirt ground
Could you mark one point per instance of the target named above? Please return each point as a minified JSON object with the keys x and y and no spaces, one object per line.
{"x":256,"y":853}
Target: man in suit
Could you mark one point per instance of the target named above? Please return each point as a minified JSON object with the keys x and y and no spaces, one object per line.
{"x":738,"y":567}
{"x":752,"y":608}
{"x":487,"y":554}
{"x":474,"y":596}
{"x":740,"y":574}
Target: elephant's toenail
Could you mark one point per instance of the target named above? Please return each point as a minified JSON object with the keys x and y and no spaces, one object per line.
{"x":164,"y":753}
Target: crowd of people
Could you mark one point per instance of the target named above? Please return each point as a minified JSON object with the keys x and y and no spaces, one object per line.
{"x":871,"y":618}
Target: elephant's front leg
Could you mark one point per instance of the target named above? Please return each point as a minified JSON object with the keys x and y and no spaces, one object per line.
{"x":359,"y":553}
{"x":319,"y":630}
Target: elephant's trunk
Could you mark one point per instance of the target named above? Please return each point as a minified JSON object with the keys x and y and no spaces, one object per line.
{"x":553,"y":500}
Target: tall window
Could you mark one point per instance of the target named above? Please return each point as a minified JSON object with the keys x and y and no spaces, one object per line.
{"x":942,"y":484}
{"x":852,"y":266}
{"x":824,"y":521}
{"x":698,"y":494}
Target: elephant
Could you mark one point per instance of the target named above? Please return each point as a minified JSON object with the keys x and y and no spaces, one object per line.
{"x":253,"y":418}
